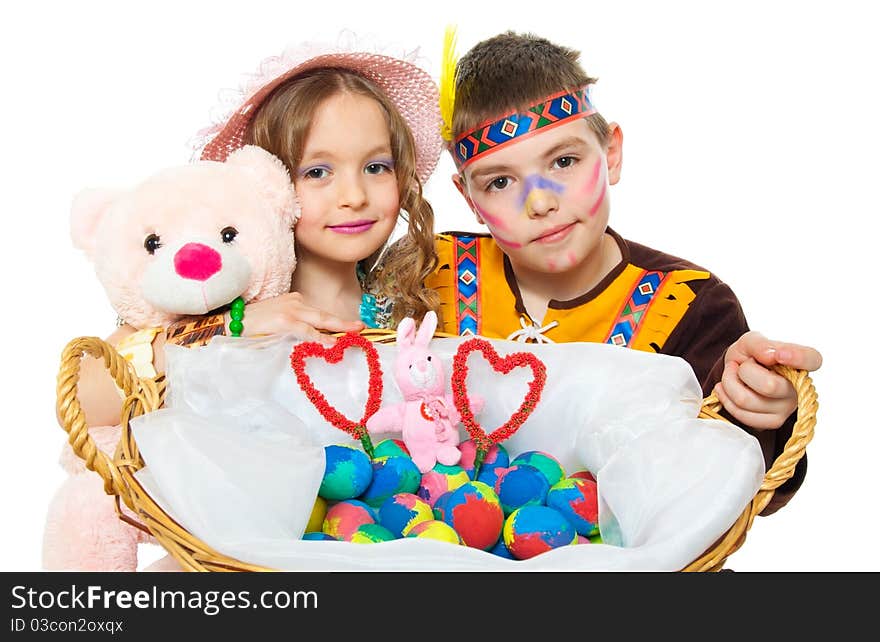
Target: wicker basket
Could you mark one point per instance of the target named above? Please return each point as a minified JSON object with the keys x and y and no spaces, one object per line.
{"x":145,"y":395}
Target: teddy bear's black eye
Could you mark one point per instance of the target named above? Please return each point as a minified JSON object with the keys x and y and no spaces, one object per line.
{"x":151,"y":243}
{"x":429,"y":358}
{"x":228,"y":234}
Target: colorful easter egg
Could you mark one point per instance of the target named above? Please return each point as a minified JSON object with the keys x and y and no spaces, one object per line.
{"x":439,"y":480}
{"x":546,"y":463}
{"x":371,"y":534}
{"x":500,"y":549}
{"x":319,"y":512}
{"x":440,"y":505}
{"x":400,"y":512}
{"x":389,"y":447}
{"x":596,"y":539}
{"x":347,"y":472}
{"x":489,"y":474}
{"x":532,"y":530}
{"x":578,"y":501}
{"x":521,"y":485}
{"x":435,"y":529}
{"x":343,"y":518}
{"x":475,"y":513}
{"x":319,"y":535}
{"x":496,"y":456}
{"x":391,"y":475}
{"x":583,"y":474}
{"x":581,"y":539}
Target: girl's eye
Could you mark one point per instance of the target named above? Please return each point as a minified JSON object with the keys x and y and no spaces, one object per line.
{"x":315,"y":172}
{"x":228,"y":234}
{"x":151,"y":243}
{"x":498,"y":183}
{"x":564,"y":161}
{"x":377,"y":168}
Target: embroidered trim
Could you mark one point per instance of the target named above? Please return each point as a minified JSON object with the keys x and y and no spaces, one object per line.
{"x":467,"y":285}
{"x":629,"y":319}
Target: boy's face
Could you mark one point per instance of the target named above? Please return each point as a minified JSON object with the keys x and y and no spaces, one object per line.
{"x":545,"y":199}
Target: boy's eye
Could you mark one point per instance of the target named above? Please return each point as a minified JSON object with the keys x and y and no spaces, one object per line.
{"x":151,"y":243}
{"x":377,"y":168}
{"x":564,"y":161}
{"x":499,"y":183}
{"x":315,"y":172}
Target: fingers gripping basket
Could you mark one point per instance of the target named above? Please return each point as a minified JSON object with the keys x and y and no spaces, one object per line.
{"x":146,"y":395}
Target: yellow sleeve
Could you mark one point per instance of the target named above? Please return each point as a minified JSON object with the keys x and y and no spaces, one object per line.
{"x":137,"y":349}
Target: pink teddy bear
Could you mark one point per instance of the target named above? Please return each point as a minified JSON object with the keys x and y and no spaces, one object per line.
{"x":427,"y":416}
{"x":187,"y":240}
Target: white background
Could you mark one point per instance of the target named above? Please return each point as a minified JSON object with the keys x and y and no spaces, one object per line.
{"x":751,"y":143}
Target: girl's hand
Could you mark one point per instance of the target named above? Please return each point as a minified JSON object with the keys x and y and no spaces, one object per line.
{"x":288,"y":313}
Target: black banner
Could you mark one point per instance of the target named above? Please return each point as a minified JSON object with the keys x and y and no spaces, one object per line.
{"x":401,"y":604}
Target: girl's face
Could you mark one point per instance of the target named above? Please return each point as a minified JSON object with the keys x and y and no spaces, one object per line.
{"x":346,"y":182}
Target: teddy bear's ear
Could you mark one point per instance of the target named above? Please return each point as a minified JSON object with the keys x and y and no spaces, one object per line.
{"x":88,"y":209}
{"x":272,"y":176}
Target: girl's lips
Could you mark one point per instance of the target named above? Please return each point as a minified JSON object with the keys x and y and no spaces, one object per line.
{"x":352,"y":227}
{"x":556,"y":235}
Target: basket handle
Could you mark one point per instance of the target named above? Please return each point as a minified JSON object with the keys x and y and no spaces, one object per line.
{"x":70,"y":411}
{"x":801,"y":434}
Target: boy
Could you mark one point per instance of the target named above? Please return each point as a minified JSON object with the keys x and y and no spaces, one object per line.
{"x":535,"y":160}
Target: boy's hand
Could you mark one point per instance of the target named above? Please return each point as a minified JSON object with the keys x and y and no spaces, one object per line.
{"x":750,"y":391}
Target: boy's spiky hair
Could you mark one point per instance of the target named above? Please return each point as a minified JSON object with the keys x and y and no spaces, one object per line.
{"x":510,"y":72}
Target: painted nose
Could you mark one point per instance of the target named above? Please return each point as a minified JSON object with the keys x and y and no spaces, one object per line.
{"x":197,"y":262}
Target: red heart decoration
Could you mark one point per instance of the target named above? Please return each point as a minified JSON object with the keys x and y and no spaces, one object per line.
{"x":303,"y":351}
{"x":503,"y":365}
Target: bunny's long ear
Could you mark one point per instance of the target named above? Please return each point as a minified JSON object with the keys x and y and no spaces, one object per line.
{"x":406,"y":331}
{"x":426,"y":329}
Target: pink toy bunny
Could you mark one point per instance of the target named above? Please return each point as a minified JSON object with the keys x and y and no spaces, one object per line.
{"x":427,"y":416}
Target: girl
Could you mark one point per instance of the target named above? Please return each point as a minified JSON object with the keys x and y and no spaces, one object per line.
{"x":359,"y":134}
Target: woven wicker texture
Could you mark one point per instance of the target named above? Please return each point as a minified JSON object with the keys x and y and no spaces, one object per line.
{"x":146,"y":395}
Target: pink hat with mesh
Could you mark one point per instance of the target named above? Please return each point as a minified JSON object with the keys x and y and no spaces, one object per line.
{"x":411,"y":89}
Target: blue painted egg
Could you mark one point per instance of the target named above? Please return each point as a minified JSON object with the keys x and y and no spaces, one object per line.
{"x":532,"y":530}
{"x":546,"y":463}
{"x":347,"y":472}
{"x":391,"y":475}
{"x":521,"y":485}
{"x":578,"y":501}
{"x":400,"y":512}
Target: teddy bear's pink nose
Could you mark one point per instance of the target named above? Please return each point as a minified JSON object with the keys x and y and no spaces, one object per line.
{"x":197,"y":262}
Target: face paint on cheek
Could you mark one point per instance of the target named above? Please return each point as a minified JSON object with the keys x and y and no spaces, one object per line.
{"x":599,"y":201}
{"x":494,"y":221}
{"x":590,"y":185}
{"x":503,"y":241}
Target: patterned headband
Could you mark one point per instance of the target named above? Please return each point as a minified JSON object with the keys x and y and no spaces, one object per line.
{"x":548,"y":113}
